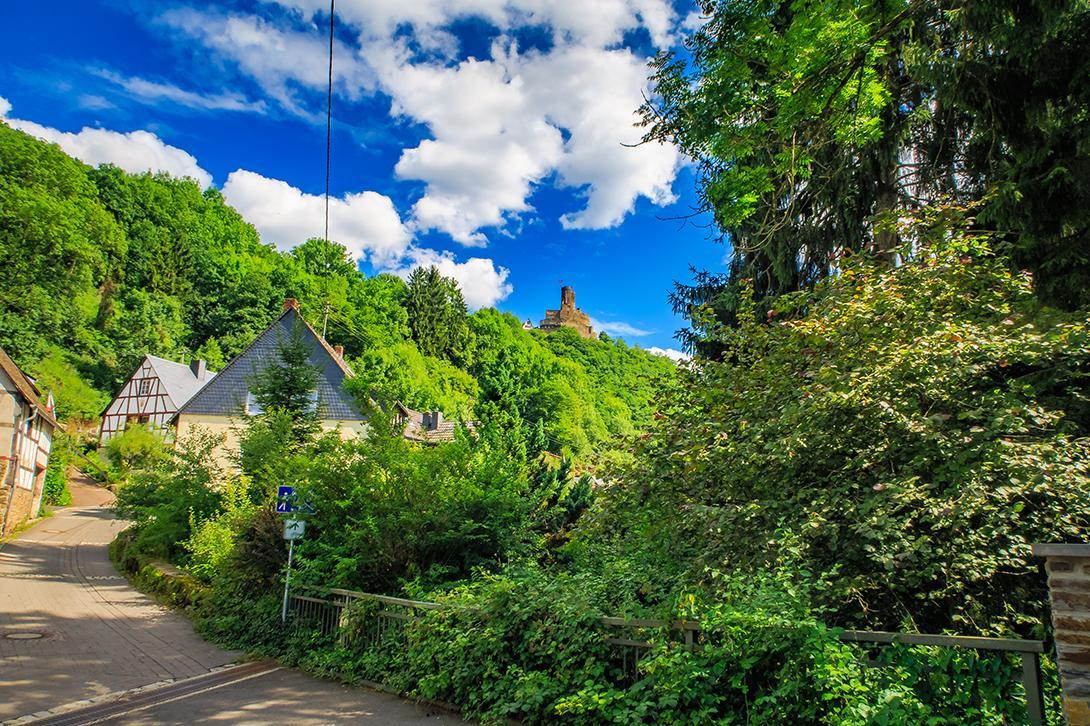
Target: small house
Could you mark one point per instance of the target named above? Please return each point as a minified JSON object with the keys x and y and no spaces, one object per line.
{"x":221,"y":405}
{"x":27,"y":425}
{"x":152,"y":395}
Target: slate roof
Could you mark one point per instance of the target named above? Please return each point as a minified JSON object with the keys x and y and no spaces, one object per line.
{"x":225,"y":395}
{"x":24,"y":384}
{"x":178,"y":379}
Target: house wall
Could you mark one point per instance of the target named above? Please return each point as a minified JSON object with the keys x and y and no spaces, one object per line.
{"x":228,"y":428}
{"x":129,"y":404}
{"x":24,"y":458}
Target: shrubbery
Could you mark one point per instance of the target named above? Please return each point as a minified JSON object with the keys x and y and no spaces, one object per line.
{"x":881,"y":451}
{"x":899,"y":437}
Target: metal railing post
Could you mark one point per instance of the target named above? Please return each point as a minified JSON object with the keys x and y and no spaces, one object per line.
{"x":1035,"y":698}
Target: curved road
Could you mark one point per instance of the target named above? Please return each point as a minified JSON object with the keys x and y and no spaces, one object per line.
{"x":72,"y":629}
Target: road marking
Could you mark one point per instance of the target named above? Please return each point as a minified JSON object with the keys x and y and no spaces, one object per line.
{"x":150,"y":697}
{"x":165,"y":701}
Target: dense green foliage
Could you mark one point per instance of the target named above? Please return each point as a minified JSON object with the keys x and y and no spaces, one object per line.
{"x":55,"y":490}
{"x":815,"y":122}
{"x":103,"y":267}
{"x":880,"y":454}
{"x":897,"y":438}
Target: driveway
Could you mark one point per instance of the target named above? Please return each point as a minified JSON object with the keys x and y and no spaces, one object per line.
{"x":72,"y":629}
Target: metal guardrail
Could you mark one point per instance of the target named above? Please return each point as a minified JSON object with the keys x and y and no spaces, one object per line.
{"x":330,"y":611}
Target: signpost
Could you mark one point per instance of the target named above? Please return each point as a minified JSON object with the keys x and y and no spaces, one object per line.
{"x":286,"y":503}
{"x":293,"y":530}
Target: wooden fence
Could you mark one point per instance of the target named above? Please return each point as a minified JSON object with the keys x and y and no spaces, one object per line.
{"x":330,"y":610}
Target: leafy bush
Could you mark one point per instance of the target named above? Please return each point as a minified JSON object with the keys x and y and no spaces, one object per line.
{"x":531,"y":646}
{"x":212,"y":540}
{"x":902,"y":433}
{"x":55,"y":490}
{"x":134,"y":449}
{"x":164,"y":501}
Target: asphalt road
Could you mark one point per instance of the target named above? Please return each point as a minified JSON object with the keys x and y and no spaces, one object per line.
{"x":72,"y":629}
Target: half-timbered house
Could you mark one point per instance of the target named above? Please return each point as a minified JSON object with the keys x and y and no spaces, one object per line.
{"x":27,"y":423}
{"x":155,"y":391}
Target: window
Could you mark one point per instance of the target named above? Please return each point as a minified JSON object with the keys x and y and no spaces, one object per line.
{"x":145,"y":386}
{"x":136,"y":419}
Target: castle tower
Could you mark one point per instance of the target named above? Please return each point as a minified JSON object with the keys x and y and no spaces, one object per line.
{"x":568,"y":316}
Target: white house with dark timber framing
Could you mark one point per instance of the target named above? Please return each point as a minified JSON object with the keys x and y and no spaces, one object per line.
{"x":27,"y":424}
{"x":152,"y":395}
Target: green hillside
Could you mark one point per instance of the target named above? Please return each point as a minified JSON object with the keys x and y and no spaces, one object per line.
{"x":102,"y":267}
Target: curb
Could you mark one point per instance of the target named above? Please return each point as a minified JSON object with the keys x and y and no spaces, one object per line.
{"x":109,"y":697}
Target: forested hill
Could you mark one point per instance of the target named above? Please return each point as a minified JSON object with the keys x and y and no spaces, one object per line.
{"x":101,"y":267}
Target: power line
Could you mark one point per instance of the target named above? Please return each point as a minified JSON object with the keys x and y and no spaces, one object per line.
{"x":329,"y":119}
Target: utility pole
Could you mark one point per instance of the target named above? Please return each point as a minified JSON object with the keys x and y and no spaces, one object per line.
{"x":325,"y":318}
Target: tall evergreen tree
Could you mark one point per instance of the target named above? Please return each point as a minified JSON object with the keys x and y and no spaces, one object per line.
{"x":288,"y":386}
{"x":437,"y":312}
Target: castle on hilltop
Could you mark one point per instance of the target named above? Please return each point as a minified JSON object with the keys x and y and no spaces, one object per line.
{"x":568,"y":316}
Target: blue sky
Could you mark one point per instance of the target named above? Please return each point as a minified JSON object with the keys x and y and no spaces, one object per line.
{"x":485,"y":136}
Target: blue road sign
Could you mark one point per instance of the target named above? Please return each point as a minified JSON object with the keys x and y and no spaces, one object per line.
{"x":285,"y":499}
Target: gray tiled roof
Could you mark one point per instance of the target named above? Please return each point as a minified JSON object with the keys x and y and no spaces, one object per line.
{"x":225,"y":395}
{"x":178,"y":379}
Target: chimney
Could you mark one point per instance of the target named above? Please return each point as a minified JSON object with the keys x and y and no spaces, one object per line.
{"x":339,"y":350}
{"x":199,"y":368}
{"x":290,"y":303}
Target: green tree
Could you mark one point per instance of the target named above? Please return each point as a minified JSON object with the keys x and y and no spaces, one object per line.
{"x":896,"y":438}
{"x":437,"y":314}
{"x":55,"y":240}
{"x":815,"y":124}
{"x":287,"y":386}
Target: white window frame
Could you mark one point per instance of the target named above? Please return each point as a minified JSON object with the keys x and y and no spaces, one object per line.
{"x":253,"y":408}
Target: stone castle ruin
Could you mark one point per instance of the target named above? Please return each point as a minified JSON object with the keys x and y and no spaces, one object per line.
{"x":568,"y":316}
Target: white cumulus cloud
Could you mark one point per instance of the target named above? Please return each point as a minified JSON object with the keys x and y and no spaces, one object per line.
{"x":618,"y":328}
{"x":134,"y":151}
{"x":672,"y":353}
{"x":281,"y":60}
{"x":367,"y":223}
{"x":483,"y":283}
{"x":601,"y":22}
{"x":500,"y":126}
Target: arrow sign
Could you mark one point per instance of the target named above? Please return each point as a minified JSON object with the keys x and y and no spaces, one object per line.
{"x":294,"y":528}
